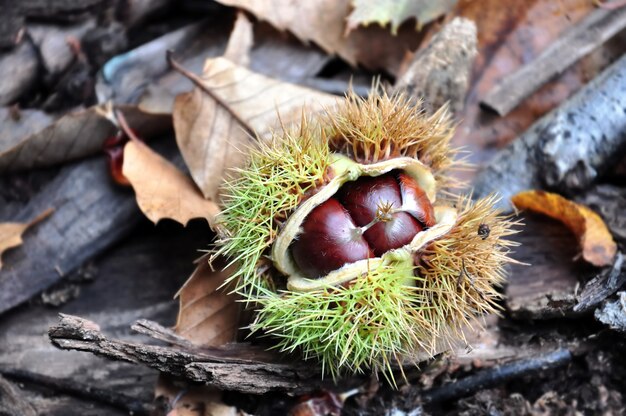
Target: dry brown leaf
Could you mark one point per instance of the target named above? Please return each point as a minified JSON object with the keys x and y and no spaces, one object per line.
{"x":212,"y":140}
{"x":240,"y":41}
{"x":11,"y":232}
{"x":161,"y":189}
{"x":75,"y":135}
{"x":395,"y":12}
{"x":324,"y":22}
{"x":596,"y":241}
{"x":207,"y":315}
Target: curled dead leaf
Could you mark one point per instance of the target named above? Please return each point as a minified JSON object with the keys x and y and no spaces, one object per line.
{"x":11,"y":232}
{"x":163,"y":191}
{"x":596,"y":241}
{"x":212,"y":137}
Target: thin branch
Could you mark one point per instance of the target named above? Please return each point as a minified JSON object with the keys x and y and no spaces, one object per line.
{"x":497,"y":376}
{"x":121,"y":120}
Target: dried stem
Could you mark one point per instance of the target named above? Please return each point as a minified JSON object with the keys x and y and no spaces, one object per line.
{"x":198,"y":82}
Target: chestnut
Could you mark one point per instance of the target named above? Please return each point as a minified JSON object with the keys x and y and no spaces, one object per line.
{"x":329,"y":240}
{"x":364,"y":199}
{"x":366,"y":218}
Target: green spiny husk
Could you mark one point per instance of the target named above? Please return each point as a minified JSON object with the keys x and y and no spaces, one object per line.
{"x":397,"y":312}
{"x":262,"y":195}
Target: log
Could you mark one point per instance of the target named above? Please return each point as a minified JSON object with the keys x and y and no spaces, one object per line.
{"x":234,"y":367}
{"x":567,"y":149}
{"x":90,"y":213}
{"x":440,"y":72}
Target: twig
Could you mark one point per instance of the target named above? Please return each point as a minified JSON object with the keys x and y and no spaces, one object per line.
{"x":594,"y":30}
{"x":235,"y":367}
{"x":121,"y":120}
{"x":198,"y":82}
{"x":497,"y":376}
{"x":73,"y":388}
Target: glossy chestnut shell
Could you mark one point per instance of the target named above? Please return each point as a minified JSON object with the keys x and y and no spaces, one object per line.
{"x":349,"y":226}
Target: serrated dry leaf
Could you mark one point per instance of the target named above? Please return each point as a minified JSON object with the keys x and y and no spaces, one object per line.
{"x":395,"y":12}
{"x":212,"y":140}
{"x":11,"y":232}
{"x":324,"y":22}
{"x":207,"y":315}
{"x":596,"y":241}
{"x":161,"y":189}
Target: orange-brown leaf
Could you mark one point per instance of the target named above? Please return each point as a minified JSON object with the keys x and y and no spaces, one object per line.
{"x":161,"y":189}
{"x":596,"y":242}
{"x":11,"y":232}
{"x":208,"y":315}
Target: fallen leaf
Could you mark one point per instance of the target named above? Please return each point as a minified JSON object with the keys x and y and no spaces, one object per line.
{"x":11,"y":232}
{"x":395,"y":12}
{"x":324,"y":22}
{"x":163,"y":191}
{"x":596,"y":242}
{"x":212,"y":138}
{"x":75,"y":135}
{"x":240,"y":41}
{"x":208,"y":315}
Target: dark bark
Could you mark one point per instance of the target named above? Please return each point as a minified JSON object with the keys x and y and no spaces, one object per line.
{"x":567,"y":149}
{"x":234,"y":367}
{"x":90,"y":213}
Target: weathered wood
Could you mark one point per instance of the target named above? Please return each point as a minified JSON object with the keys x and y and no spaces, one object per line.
{"x":71,"y":387}
{"x":497,"y":376}
{"x":90,"y":213}
{"x":613,"y":313}
{"x":598,"y":27}
{"x":12,"y":401}
{"x":220,"y":367}
{"x":607,"y":282}
{"x":136,"y":279}
{"x":568,"y":148}
{"x":545,"y":287}
{"x":440,"y":72}
{"x":18,"y":69}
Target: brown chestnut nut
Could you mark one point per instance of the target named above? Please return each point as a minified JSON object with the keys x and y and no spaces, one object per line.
{"x":366,"y":218}
{"x":415,"y":201}
{"x":364,"y":199}
{"x":329,"y":240}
